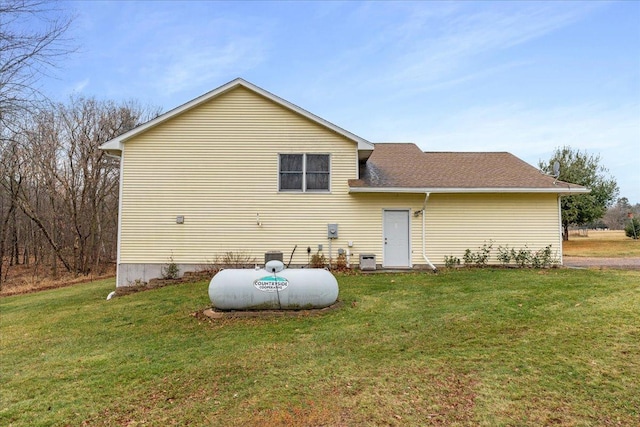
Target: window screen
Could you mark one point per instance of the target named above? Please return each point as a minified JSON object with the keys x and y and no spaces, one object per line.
{"x":304,"y":172}
{"x":291,"y":172}
{"x":317,"y":172}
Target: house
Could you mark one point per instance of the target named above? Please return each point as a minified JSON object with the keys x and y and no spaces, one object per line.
{"x":239,"y":170}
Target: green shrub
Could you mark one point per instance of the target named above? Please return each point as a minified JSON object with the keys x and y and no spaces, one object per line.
{"x":479,"y":258}
{"x":451,"y":261}
{"x":468,"y":257}
{"x":504,"y":255}
{"x":522,"y":257}
{"x":543,"y":258}
{"x":632,"y":229}
{"x":171,"y":270}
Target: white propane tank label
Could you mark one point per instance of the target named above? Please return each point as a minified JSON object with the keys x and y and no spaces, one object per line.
{"x":271,"y":284}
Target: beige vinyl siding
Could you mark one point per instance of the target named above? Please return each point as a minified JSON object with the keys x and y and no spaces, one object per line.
{"x":217,"y":165}
{"x":458,"y":222}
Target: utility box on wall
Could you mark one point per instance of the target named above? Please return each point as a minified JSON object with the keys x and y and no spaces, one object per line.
{"x":332,"y":231}
{"x":367,"y":262}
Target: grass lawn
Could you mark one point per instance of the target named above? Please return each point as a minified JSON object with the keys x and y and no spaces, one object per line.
{"x":469,"y":347}
{"x":605,"y":244}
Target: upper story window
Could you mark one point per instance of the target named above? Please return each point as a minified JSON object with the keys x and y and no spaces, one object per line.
{"x":304,"y":172}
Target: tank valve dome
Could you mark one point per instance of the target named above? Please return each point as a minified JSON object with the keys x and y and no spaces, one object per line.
{"x":274,"y":266}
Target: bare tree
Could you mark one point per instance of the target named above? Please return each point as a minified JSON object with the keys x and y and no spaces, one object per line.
{"x":32,"y":41}
{"x":86,"y":176}
{"x":58,"y":191}
{"x":9,"y":187}
{"x":64,"y":186}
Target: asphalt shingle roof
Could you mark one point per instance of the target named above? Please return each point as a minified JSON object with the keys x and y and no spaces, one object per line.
{"x":401,"y":165}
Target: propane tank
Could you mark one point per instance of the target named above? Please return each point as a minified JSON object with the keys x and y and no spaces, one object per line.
{"x":273,"y":287}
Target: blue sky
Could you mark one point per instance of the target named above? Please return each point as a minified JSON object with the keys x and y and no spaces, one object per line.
{"x":523,"y":77}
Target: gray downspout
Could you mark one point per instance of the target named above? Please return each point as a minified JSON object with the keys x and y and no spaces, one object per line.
{"x":424,"y":236}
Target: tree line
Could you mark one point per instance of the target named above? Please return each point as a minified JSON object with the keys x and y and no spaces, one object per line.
{"x":58,"y":190}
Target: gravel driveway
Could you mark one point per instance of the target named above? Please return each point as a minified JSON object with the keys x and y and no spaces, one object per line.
{"x":591,"y":262}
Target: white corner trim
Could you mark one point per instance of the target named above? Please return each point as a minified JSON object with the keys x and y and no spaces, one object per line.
{"x":119,"y":237}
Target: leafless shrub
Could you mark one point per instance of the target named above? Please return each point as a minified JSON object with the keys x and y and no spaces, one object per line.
{"x":230,"y":259}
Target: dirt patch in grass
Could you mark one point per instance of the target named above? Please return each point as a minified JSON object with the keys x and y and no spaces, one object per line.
{"x":309,"y":413}
{"x":382,"y":395}
{"x":423,"y":396}
{"x":213,"y":315}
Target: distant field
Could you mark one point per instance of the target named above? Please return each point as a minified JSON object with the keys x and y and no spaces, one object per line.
{"x":602,"y":244}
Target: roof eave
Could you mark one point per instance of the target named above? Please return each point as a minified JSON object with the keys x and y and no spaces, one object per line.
{"x":114,"y":145}
{"x":364,"y":152}
{"x":461,"y":190}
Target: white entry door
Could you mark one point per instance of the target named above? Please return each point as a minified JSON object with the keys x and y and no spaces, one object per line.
{"x":396,"y":238}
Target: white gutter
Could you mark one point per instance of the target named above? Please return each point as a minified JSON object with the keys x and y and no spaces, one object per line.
{"x":424,"y":234}
{"x":568,"y":190}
